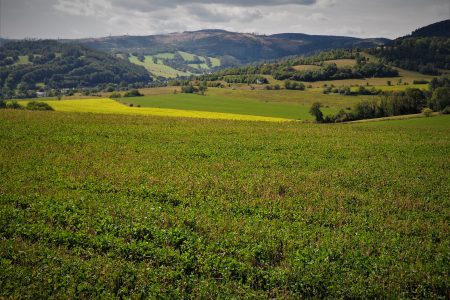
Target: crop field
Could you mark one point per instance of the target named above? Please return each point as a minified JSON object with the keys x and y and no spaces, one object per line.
{"x":228,"y":104}
{"x":109,"y":106}
{"x":117,"y":206}
{"x":307,"y":97}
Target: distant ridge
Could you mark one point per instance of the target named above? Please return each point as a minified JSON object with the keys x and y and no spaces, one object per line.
{"x":441,"y":28}
{"x":233,"y":46}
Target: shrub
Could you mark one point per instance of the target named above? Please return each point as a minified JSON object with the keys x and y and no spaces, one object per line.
{"x":14,"y":105}
{"x":420,"y":81}
{"x":427,"y":112}
{"x":189,"y":89}
{"x":2,"y":104}
{"x":440,"y":98}
{"x":35,"y":105}
{"x":133,"y":93}
{"x":289,"y":85}
{"x":316,"y":112}
{"x":115,"y":95}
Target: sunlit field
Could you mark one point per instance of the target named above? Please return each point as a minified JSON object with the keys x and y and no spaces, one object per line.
{"x":134,"y":206}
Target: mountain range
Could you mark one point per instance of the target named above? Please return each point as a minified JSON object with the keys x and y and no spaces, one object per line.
{"x":242,"y":47}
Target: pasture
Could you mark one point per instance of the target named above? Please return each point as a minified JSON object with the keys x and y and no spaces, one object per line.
{"x":214,"y":102}
{"x":117,"y":206}
{"x":159,"y":68}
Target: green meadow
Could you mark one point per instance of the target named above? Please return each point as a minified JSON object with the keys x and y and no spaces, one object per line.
{"x":227,"y":104}
{"x":158,"y":68}
{"x":117,"y":206}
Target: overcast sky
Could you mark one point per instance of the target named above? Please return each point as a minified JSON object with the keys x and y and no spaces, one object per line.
{"x":96,"y":18}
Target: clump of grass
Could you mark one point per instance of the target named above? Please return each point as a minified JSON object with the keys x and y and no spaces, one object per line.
{"x":36,"y":105}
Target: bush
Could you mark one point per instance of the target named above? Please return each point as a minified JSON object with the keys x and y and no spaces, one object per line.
{"x":420,"y":81}
{"x":440,"y":98}
{"x":316,"y":112}
{"x":427,"y":112}
{"x":14,"y":105}
{"x":133,"y":93}
{"x":35,"y":105}
{"x":189,"y":89}
{"x":446,"y":110}
{"x":2,"y":104}
{"x":115,"y":95}
{"x":292,"y":85}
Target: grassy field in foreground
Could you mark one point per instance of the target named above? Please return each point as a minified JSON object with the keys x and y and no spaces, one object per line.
{"x":109,"y":106}
{"x":110,"y":206}
{"x":213,"y":102}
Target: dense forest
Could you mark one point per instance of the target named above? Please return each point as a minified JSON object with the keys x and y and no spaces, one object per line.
{"x":426,"y":50}
{"x":284,"y":69}
{"x":394,"y":103}
{"x":29,"y":65}
{"x":427,"y":55}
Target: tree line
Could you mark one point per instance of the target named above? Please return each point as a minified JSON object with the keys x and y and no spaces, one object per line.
{"x":284,"y":69}
{"x":410,"y":101}
{"x":55,"y":65}
{"x":426,"y":55}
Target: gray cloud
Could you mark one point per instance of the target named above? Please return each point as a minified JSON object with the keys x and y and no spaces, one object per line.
{"x":152,"y":4}
{"x":94,"y":18}
{"x":220,"y":14}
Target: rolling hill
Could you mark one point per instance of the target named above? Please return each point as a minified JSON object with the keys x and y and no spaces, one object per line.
{"x":24,"y":65}
{"x":426,"y":50}
{"x":441,"y":28}
{"x":231,"y":47}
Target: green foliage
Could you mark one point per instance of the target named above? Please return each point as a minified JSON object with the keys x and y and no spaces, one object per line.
{"x":133,"y":93}
{"x":115,"y":95}
{"x":440,"y":98}
{"x":76,"y":66}
{"x":316,"y":112}
{"x":189,"y":89}
{"x":13,"y":105}
{"x":423,"y":54}
{"x":411,"y":101}
{"x":96,"y":206}
{"x":427,"y":112}
{"x":249,"y":79}
{"x":36,"y":105}
{"x":290,"y":85}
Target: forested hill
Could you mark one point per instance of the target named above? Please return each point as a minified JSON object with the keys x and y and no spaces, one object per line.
{"x":228,"y":46}
{"x":27,"y":64}
{"x":436,"y":29}
{"x":426,"y":50}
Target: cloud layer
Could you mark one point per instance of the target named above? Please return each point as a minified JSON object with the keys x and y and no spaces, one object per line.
{"x":91,"y":18}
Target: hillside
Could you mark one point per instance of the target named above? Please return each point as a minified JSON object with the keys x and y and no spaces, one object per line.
{"x":441,"y":28}
{"x":28,"y":64}
{"x":426,"y":50}
{"x":230,"y":47}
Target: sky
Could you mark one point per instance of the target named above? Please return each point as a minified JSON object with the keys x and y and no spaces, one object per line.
{"x":98,"y":18}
